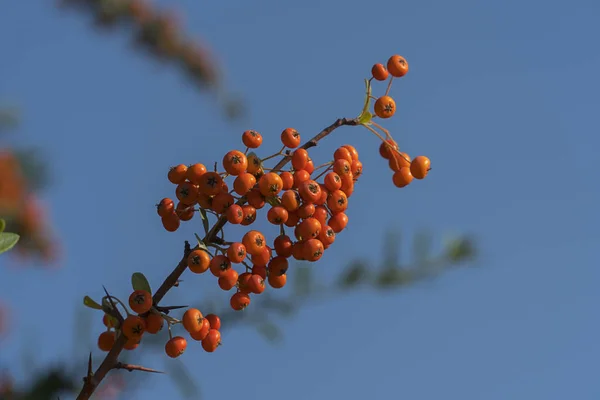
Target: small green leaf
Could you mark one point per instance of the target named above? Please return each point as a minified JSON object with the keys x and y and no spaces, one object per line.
{"x":201,"y":244}
{"x":204,"y":219}
{"x":8,"y":241}
{"x":2,"y":225}
{"x":139,"y":282}
{"x":365,"y":117}
{"x":89,"y":302}
{"x":273,"y":201}
{"x":270,"y":331}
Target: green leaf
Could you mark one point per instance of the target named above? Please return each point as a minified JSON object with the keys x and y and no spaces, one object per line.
{"x":200,"y":242}
{"x":303,"y":281}
{"x":89,"y":302}
{"x":356,"y":273}
{"x":2,"y":225}
{"x":8,"y":241}
{"x":365,"y":117}
{"x":273,"y":201}
{"x":204,"y":219}
{"x":139,"y":282}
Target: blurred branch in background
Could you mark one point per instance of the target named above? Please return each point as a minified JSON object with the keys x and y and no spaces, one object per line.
{"x":392,"y":274}
{"x":160,"y":34}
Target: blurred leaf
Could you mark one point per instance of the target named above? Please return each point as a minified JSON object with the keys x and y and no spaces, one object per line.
{"x":182,"y":378}
{"x":8,"y":241}
{"x":354,"y":274}
{"x":390,"y":277}
{"x":302,"y":281}
{"x":460,"y":249}
{"x":391,"y":246}
{"x":8,"y":118}
{"x":270,"y":331}
{"x":2,"y":225}
{"x":33,"y":167}
{"x":204,"y":217}
{"x":89,"y":302}
{"x":422,"y":248}
{"x":139,"y":282}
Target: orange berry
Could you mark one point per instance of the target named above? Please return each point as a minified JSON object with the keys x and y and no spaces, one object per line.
{"x":309,"y":191}
{"x":348,"y":184}
{"x":324,"y":195}
{"x":192,"y":320}
{"x":293,"y":219}
{"x":379,"y":72}
{"x":184,"y":212}
{"x":403,"y":177}
{"x":300,"y":176}
{"x":290,"y":200}
{"x":342,"y":167}
{"x":310,"y":166}
{"x":154,"y":323}
{"x":234,"y":214}
{"x":306,"y":210}
{"x":337,"y":202}
{"x":256,"y":284}
{"x":239,"y":301}
{"x":132,"y":343}
{"x":386,"y":149}
{"x":140,"y":301}
{"x":215,"y":321}
{"x":342,"y":153}
{"x":198,"y":261}
{"x":270,"y":184}
{"x":109,"y":321}
{"x":299,"y":159}
{"x":298,"y":251}
{"x":205,"y":201}
{"x":165,"y":207}
{"x":313,"y":250}
{"x":243,"y":183}
{"x":283,"y":245}
{"x":397,"y":65}
{"x":338,"y":222}
{"x":288,"y":180}
{"x":243,"y":280}
{"x":252,"y":139}
{"x":133,"y":327}
{"x":277,"y":281}
{"x":420,"y":166}
{"x":255,"y":198}
{"x":236,"y":252}
{"x":260,"y":270}
{"x":187,"y":192}
{"x":210,"y":184}
{"x":106,"y":340}
{"x":235,"y":162}
{"x":222,"y":202}
{"x":327,"y":235}
{"x":177,"y":174}
{"x":194,"y":172}
{"x":219,"y":264}
{"x":254,"y":241}
{"x":249,"y":214}
{"x":263,"y":258}
{"x":385,"y":107}
{"x":254,"y":163}
{"x":278,"y":266}
{"x":356,"y":168}
{"x":399,"y":160}
{"x":175,"y":346}
{"x":228,"y":279}
{"x":171,"y":222}
{"x":352,"y":151}
{"x":277,"y":215}
{"x":321,"y":215}
{"x":211,"y":341}
{"x":290,"y":138}
{"x":308,"y":229}
{"x":201,"y":334}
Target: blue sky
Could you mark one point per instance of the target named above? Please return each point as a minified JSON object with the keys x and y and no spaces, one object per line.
{"x":502,"y":96}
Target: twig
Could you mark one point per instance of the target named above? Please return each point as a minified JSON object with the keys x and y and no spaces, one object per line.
{"x":111,"y":359}
{"x":131,"y":367}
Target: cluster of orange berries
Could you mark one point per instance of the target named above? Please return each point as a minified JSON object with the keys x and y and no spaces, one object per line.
{"x":158,"y":31}
{"x":295,"y":199}
{"x":205,"y":329}
{"x":404,"y":169}
{"x":23,"y":212}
